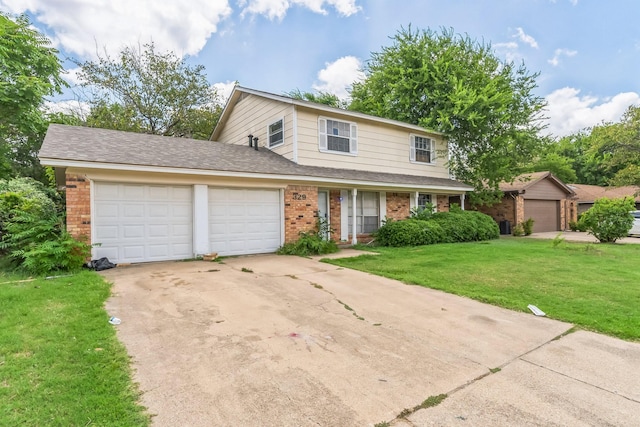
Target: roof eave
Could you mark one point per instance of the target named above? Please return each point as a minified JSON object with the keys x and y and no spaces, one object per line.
{"x":54,"y":162}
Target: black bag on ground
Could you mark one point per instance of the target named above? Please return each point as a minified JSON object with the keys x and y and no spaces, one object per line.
{"x":101,"y":264}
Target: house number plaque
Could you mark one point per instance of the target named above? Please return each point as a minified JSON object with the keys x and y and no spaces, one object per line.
{"x":298,"y":196}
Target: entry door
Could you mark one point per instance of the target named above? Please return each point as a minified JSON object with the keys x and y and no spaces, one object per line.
{"x":323,"y":210}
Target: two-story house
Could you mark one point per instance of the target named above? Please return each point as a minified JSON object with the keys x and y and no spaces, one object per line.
{"x":273,"y":166}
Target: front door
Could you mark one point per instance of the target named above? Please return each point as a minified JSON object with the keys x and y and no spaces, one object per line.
{"x":323,"y":213}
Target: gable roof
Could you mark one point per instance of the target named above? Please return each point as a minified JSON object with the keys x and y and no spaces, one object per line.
{"x":239,"y":91}
{"x":590,"y":193}
{"x":527,"y":180}
{"x":74,"y":146}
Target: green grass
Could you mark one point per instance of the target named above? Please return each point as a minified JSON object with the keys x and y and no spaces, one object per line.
{"x":595,"y":286}
{"x":60,"y":361}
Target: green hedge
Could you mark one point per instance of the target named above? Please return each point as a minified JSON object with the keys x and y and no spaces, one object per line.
{"x":442,"y":227}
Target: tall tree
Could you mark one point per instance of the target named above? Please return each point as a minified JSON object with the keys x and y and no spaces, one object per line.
{"x":453,"y":84}
{"x":617,"y":145}
{"x":325,"y":98}
{"x":151,"y":92}
{"x":29,"y":72}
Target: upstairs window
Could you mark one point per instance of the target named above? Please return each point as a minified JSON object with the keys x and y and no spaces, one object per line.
{"x":423,"y":149}
{"x":337,"y":136}
{"x":276,"y":133}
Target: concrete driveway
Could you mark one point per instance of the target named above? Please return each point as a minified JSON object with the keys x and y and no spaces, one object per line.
{"x":287,"y":341}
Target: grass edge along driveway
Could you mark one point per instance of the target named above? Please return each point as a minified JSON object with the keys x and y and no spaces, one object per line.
{"x":594,"y":286}
{"x":60,"y":360}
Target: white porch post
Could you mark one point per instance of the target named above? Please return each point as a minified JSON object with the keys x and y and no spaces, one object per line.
{"x":354,"y":225}
{"x":462,"y":196}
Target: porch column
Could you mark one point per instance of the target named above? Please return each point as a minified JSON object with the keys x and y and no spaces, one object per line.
{"x":462,"y":196}
{"x":354,"y":225}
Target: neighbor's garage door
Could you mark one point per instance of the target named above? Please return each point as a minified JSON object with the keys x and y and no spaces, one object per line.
{"x":138,"y":223}
{"x":244,"y":221}
{"x":545,"y":214}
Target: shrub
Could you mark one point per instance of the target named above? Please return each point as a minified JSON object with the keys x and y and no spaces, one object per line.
{"x":314,"y":242}
{"x":409,"y":232}
{"x":451,"y":227}
{"x":527,"y":227}
{"x":518,"y":230}
{"x":609,"y":219}
{"x":40,"y":245}
{"x":422,"y":213}
{"x":309,"y":243}
{"x":466,"y":226}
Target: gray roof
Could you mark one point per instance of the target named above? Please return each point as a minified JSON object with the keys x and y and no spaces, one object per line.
{"x":65,"y":145}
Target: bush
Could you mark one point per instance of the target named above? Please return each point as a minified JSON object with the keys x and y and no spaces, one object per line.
{"x":527,"y":227}
{"x":609,"y":219}
{"x":315,"y":242}
{"x":518,"y":230}
{"x":39,"y":245}
{"x":467,"y":226}
{"x":409,"y":232}
{"x":32,"y":233}
{"x":309,"y":243}
{"x":423,"y":213}
{"x":450,"y":227}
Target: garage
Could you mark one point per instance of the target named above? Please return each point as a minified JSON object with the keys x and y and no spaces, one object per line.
{"x":545,"y":214}
{"x":140,"y":223}
{"x":244,"y":221}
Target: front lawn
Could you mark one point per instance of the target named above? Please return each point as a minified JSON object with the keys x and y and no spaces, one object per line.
{"x":595,"y":286}
{"x":60,"y":361}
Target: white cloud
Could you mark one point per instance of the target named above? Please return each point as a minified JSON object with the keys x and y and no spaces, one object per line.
{"x":73,"y":107}
{"x":83,"y":27}
{"x":71,"y":76}
{"x":509,"y":50}
{"x":525,"y":38}
{"x":224,"y":90}
{"x":277,"y":9}
{"x":336,"y":78}
{"x":569,"y":112}
{"x":559,"y":53}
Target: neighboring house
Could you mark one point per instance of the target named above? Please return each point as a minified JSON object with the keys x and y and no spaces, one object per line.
{"x":539,"y":195}
{"x":587,"y":194}
{"x":143,"y":197}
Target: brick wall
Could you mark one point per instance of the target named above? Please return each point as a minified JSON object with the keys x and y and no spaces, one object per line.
{"x":335,"y":213}
{"x":300,"y":210}
{"x":78,"y":193}
{"x":442,"y":203}
{"x":398,"y":205}
{"x":505,"y":210}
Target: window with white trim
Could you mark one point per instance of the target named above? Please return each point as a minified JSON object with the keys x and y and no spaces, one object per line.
{"x":423,"y":149}
{"x":337,"y":136}
{"x":275,"y":133}
{"x":367,"y":212}
{"x":424,"y":199}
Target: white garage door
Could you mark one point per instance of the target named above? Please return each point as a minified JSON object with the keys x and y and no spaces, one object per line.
{"x":244,"y":221}
{"x":138,"y":223}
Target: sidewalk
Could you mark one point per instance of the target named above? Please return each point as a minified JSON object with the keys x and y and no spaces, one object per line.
{"x":577,"y":236}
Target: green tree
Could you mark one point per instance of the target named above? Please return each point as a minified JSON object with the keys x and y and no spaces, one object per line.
{"x":458,"y":86}
{"x":151,"y":92}
{"x":29,"y":72}
{"x":325,"y":98}
{"x":558,"y":165}
{"x":617,"y":145}
{"x":609,"y":219}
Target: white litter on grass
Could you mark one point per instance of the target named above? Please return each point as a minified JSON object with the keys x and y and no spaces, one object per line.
{"x":535,"y":310}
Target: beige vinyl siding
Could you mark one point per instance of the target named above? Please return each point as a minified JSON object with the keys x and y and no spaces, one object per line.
{"x":381,"y":148}
{"x":252,"y":115}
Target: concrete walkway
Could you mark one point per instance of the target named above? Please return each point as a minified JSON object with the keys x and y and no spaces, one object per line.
{"x":288,"y":341}
{"x":577,"y":236}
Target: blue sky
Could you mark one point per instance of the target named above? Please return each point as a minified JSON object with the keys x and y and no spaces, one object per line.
{"x":587,"y":51}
